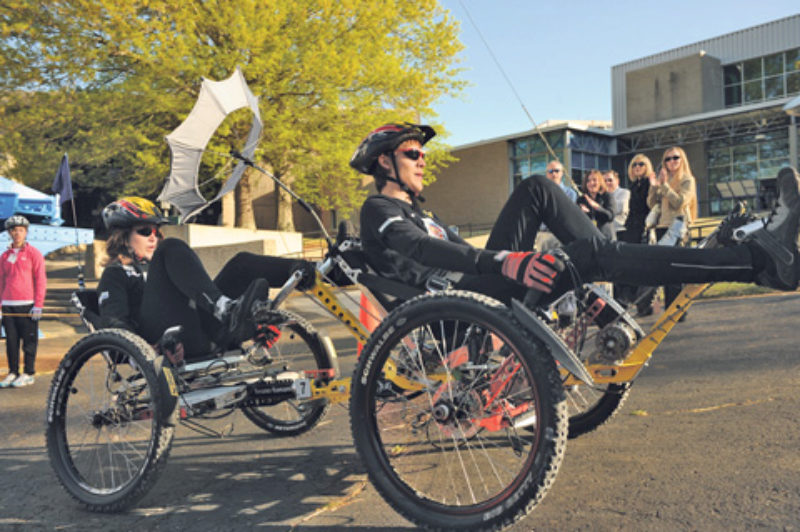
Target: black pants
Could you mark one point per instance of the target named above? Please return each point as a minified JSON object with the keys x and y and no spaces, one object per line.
{"x":179,"y":291}
{"x":20,"y":329}
{"x":538,"y":200}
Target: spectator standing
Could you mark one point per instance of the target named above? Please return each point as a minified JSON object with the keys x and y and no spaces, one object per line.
{"x":674,"y":191}
{"x":555,"y":173}
{"x":23,"y":284}
{"x":639,"y":171}
{"x":620,"y":197}
{"x":596,"y":203}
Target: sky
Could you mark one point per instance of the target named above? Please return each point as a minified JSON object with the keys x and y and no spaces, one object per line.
{"x":558,"y":54}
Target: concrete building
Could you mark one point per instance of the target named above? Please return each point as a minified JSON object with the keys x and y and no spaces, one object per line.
{"x":726,"y":101}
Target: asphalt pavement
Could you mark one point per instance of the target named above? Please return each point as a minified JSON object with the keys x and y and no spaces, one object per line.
{"x":708,"y":440}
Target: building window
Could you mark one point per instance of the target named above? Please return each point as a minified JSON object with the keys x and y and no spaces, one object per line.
{"x":530,"y":154}
{"x":762,"y":78}
{"x":744,"y":168}
{"x":589,"y":152}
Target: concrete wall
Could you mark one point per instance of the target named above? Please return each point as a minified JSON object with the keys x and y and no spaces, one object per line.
{"x":674,"y":89}
{"x":214,"y":245}
{"x":473,"y":189}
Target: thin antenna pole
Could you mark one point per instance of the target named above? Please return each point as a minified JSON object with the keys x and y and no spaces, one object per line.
{"x":513,"y":89}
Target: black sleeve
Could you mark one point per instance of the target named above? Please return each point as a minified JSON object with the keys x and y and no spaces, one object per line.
{"x":605,"y":214}
{"x":391,"y":225}
{"x":114,"y":301}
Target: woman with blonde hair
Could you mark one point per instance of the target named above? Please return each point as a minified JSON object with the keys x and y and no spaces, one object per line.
{"x":674,"y":192}
{"x":639,"y":171}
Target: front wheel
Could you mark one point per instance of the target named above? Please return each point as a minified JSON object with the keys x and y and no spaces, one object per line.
{"x":109,"y":428}
{"x":457,"y":413}
{"x":298,"y":348}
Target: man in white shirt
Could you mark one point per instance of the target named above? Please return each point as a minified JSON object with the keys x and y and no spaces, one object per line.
{"x":619,"y":199}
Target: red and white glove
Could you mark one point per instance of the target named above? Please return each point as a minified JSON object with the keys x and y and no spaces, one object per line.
{"x":533,"y":269}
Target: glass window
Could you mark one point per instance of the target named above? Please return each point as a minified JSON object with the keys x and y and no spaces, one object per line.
{"x":753,"y":91}
{"x":773,"y":149}
{"x":773,"y":64}
{"x":792,"y":60}
{"x":719,"y":157}
{"x":793,"y":83}
{"x":752,"y":69}
{"x":715,"y":175}
{"x":745,"y":171}
{"x":539,"y":163}
{"x":745,"y":153}
{"x":556,"y":139}
{"x":773,"y":87}
{"x":577,"y":159}
{"x":521,"y":147}
{"x":732,"y":74}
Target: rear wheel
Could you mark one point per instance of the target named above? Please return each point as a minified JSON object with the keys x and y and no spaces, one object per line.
{"x":591,"y":406}
{"x":109,"y":427}
{"x":457,"y":413}
{"x":298,"y":348}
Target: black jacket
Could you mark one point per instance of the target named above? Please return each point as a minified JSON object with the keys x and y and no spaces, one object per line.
{"x":119,"y":295}
{"x":406,"y":244}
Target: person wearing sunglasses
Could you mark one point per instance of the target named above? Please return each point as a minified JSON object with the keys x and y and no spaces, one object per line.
{"x":639,"y":170}
{"x":555,"y":173}
{"x":150,"y":283}
{"x":674,"y":192}
{"x":402,"y":242}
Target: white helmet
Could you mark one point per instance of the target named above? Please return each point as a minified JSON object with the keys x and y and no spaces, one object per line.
{"x":16,"y":221}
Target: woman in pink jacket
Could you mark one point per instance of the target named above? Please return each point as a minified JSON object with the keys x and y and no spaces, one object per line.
{"x":23,"y":283}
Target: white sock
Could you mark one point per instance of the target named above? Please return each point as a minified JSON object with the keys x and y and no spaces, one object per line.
{"x":222,"y":306}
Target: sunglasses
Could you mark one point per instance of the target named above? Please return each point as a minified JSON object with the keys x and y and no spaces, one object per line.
{"x":148,"y":232}
{"x":673,"y":158}
{"x":638,"y":163}
{"x":414,"y":154}
{"x":554,"y":171}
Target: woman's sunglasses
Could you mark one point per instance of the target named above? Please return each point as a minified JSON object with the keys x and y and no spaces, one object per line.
{"x":638,"y":163}
{"x":149,"y":231}
{"x":414,"y":154}
{"x":673,"y":158}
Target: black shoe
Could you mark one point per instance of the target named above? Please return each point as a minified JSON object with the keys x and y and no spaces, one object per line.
{"x":778,"y":238}
{"x":238,"y":321}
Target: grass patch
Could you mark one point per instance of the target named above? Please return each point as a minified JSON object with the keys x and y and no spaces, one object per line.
{"x":734,"y":289}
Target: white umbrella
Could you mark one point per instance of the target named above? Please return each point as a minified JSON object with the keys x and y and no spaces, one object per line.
{"x":217,"y":99}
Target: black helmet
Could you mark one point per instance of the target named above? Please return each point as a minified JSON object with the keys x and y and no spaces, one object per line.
{"x":385,"y":139}
{"x":16,"y":221}
{"x":132,"y":210}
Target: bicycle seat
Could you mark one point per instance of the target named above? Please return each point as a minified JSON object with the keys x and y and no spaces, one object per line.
{"x":88,"y":307}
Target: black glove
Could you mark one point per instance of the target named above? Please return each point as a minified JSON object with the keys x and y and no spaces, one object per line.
{"x":533,"y":269}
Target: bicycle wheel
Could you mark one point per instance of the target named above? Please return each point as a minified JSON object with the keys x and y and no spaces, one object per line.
{"x":299,"y":348}
{"x":591,"y":406}
{"x":457,"y":413}
{"x":108,"y":433}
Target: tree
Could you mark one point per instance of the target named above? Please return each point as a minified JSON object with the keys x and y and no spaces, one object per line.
{"x":106,"y":80}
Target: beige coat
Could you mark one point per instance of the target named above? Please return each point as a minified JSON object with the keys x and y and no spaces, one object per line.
{"x":676,"y":197}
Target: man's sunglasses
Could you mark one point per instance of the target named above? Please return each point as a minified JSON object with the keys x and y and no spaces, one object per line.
{"x":149,"y":231}
{"x":673,"y":158}
{"x":554,"y":171}
{"x":414,"y":154}
{"x":638,"y":163}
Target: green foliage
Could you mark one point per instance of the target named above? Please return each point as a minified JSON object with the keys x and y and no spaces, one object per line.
{"x":106,"y":80}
